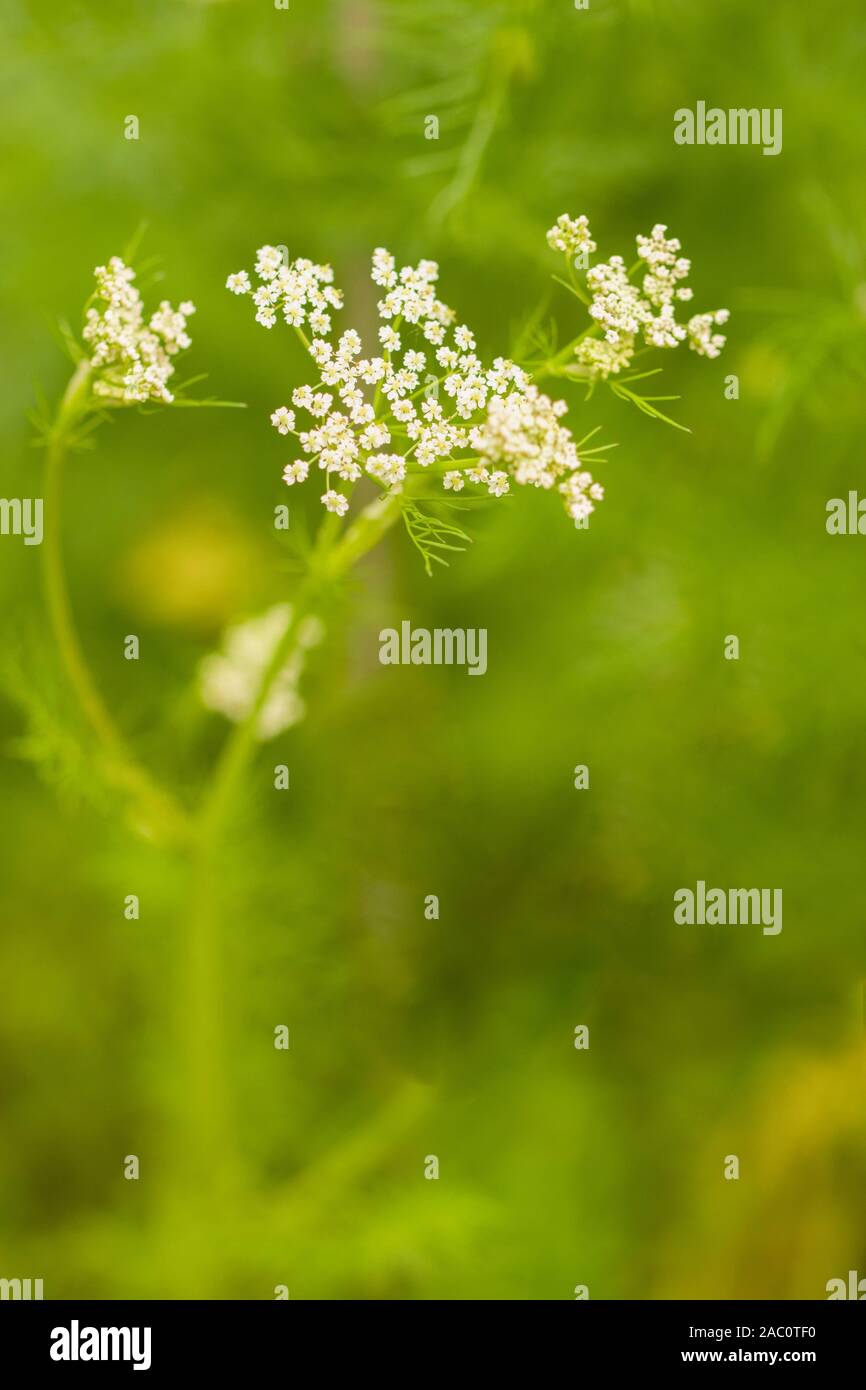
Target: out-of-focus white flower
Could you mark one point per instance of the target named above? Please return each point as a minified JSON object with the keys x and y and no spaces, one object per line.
{"x":229,"y":680}
{"x":131,"y":358}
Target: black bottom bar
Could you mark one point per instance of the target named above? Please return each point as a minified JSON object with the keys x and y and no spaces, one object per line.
{"x":219,"y":1338}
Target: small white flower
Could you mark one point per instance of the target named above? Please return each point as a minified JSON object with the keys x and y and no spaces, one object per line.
{"x":268,"y":261}
{"x":464,"y":339}
{"x":335,"y":502}
{"x":580,"y":507}
{"x":320,"y":322}
{"x":349,"y":345}
{"x":321,"y":352}
{"x":387,"y":468}
{"x":283,"y":420}
{"x":383,"y":268}
{"x":373,"y":371}
{"x":403,"y":411}
{"x":293,"y":312}
{"x":239,"y":283}
{"x":376,"y":436}
{"x":296,"y":472}
{"x":453,"y":480}
{"x":389,"y":339}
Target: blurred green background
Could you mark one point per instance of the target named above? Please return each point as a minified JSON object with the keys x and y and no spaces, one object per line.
{"x":453,"y":1037}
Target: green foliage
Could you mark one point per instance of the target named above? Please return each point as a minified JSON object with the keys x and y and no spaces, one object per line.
{"x":431,"y":533}
{"x":51,"y":738}
{"x":648,"y":405}
{"x":304,"y":127}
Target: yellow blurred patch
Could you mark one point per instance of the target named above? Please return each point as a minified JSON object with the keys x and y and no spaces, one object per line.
{"x":765,"y":369}
{"x":193,"y":570}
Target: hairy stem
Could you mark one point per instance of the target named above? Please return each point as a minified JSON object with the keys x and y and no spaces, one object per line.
{"x":159,"y":810}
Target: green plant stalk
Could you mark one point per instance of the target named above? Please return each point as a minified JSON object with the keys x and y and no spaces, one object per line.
{"x":208,"y":1163}
{"x":161,"y":812}
{"x":205,"y":1098}
{"x":552,"y":366}
{"x":330,"y":562}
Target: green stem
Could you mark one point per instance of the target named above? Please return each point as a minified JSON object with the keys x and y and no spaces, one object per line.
{"x":206,"y":1091}
{"x":472,"y":153}
{"x":551,"y":367}
{"x":161,"y":812}
{"x":330,"y":562}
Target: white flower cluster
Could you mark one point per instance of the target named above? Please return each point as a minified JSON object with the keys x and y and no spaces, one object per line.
{"x":413,"y":407}
{"x":523,"y":432}
{"x":701,"y":335}
{"x":229,"y":680}
{"x":628,"y":312}
{"x":570,"y":235}
{"x":131,"y":358}
{"x":302,"y":291}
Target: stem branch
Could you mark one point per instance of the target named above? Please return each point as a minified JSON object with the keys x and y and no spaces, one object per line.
{"x":161,"y":811}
